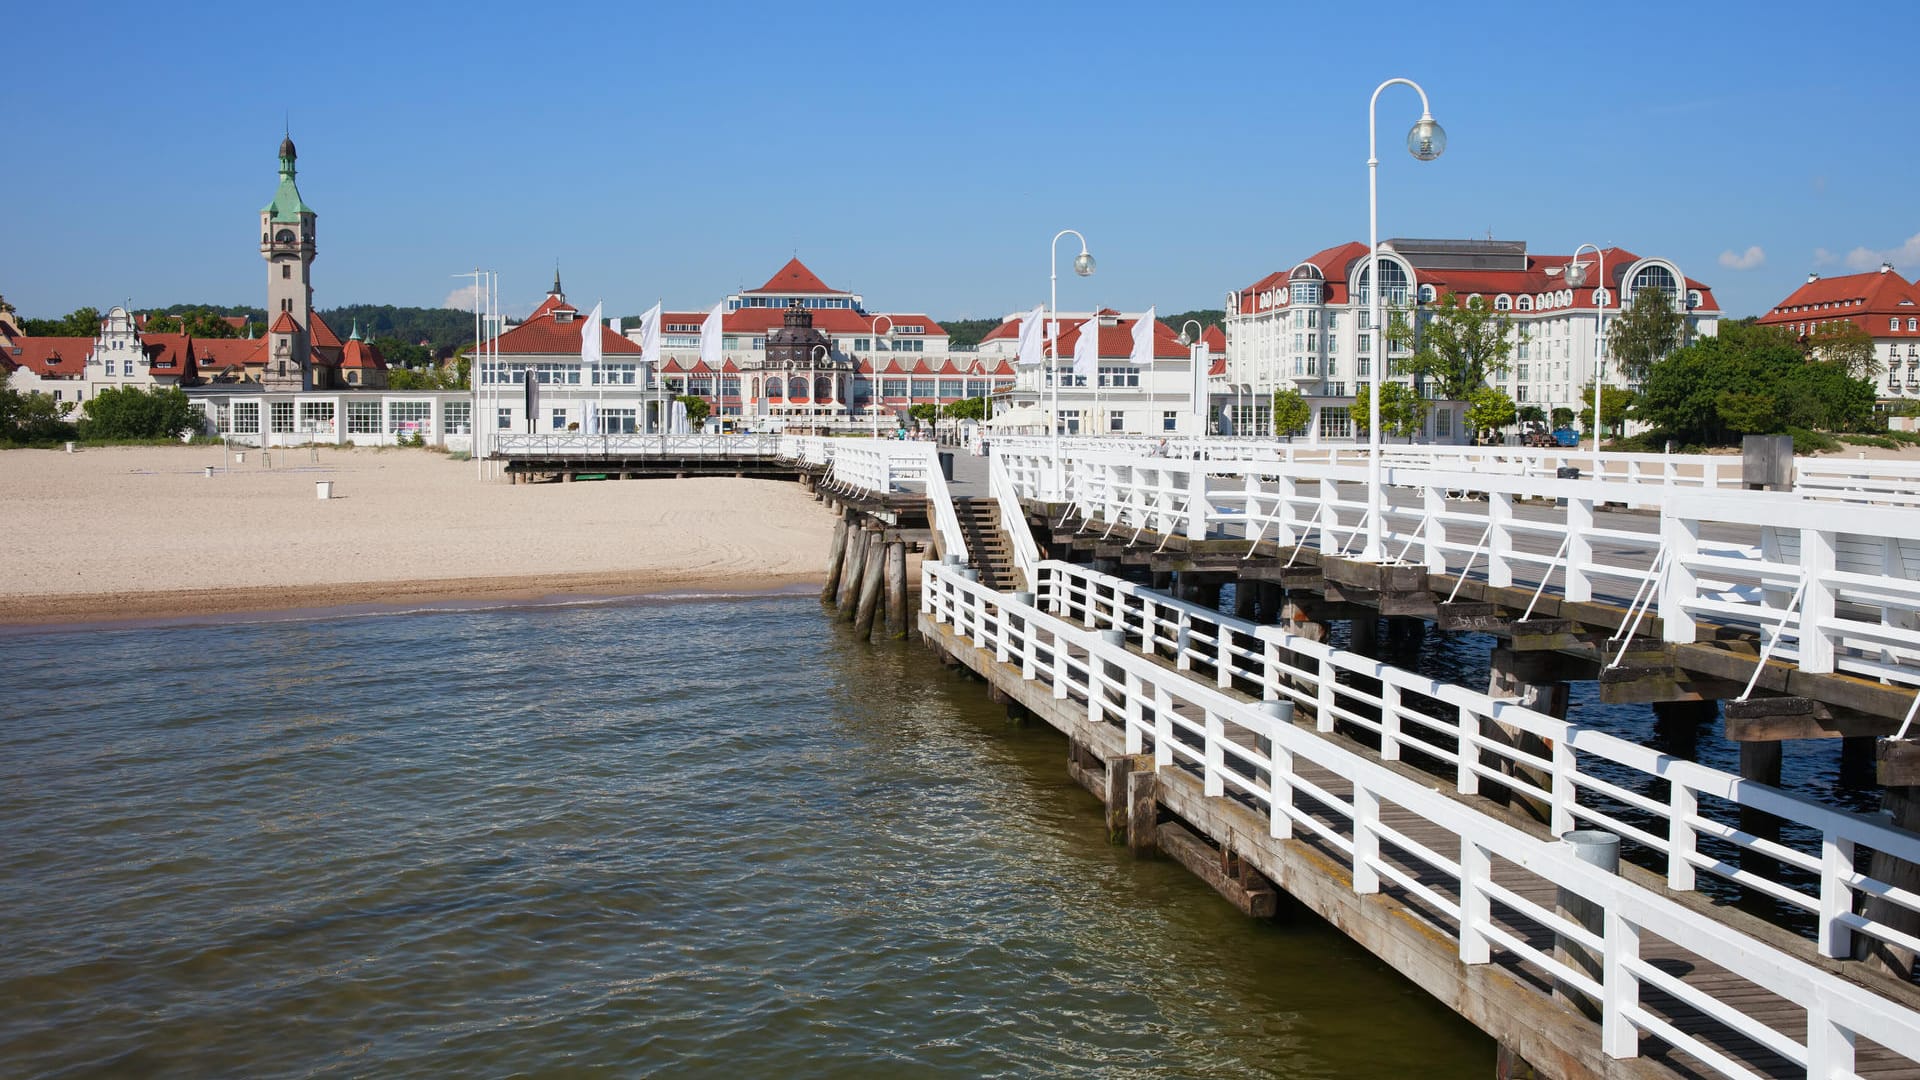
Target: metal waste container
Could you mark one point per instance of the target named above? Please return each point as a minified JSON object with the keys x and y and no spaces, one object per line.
{"x":946,"y":465}
{"x":1565,"y":472}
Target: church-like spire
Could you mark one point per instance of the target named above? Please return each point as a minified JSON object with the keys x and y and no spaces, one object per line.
{"x":355,"y":336}
{"x":555,"y":291}
{"x":287,"y":204}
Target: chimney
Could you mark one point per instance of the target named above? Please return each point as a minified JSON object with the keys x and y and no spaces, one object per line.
{"x":1886,"y":268}
{"x":1812,"y":277}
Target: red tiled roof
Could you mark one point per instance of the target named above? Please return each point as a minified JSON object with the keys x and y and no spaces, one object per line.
{"x":51,"y":357}
{"x":759,"y":320}
{"x":1216,"y":340}
{"x":1116,"y":341}
{"x":285,"y":324}
{"x":218,"y":354}
{"x":1867,"y":300}
{"x":795,"y":278}
{"x":361,"y":354}
{"x":323,"y":336}
{"x":545,"y":335}
{"x":1219,"y":367}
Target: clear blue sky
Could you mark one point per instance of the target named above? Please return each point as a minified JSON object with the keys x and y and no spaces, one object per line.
{"x":924,"y":155}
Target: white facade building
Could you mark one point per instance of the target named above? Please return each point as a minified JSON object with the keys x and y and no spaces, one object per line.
{"x":1308,"y":327}
{"x":1127,"y":398}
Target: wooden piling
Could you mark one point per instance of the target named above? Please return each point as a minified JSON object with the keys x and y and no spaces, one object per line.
{"x":896,"y":590}
{"x":1143,"y":813}
{"x":849,"y":593}
{"x":874,"y":568}
{"x":836,"y":556}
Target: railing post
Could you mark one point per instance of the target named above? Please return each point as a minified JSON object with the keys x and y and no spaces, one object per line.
{"x":1683,"y":805}
{"x":1830,"y":1046}
{"x":1223,"y":655}
{"x":1579,"y":521}
{"x":1366,"y":839}
{"x":1323,"y":713}
{"x":1389,"y":721}
{"x":1499,"y":539}
{"x":1476,"y":908}
{"x":1214,"y":777}
{"x":1467,"y":753}
{"x":1817,"y":604}
{"x":1620,"y":990}
{"x":1434,"y":546}
{"x":1286,"y":491}
{"x":1681,"y":537}
{"x":1197,"y":505}
{"x":1836,"y":899}
{"x":1565,"y":791}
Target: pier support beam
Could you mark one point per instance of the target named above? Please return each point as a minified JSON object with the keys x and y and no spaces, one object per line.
{"x":872,"y":578}
{"x":1523,"y":677}
{"x":1244,"y":598}
{"x":1897,"y":761}
{"x":836,"y":559}
{"x":1760,"y":762}
{"x":896,"y":590}
{"x":849,"y":593}
{"x":1143,"y":812}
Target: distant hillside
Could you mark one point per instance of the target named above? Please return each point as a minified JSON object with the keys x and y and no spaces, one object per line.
{"x":444,"y":329}
{"x":966,"y":333}
{"x":1205,"y":317}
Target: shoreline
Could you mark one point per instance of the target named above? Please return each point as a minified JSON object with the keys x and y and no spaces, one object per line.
{"x":55,"y":609}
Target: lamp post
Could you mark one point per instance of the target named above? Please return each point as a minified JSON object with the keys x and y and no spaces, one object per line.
{"x":1196,"y":350}
{"x":1426,"y":141}
{"x":814,"y":356}
{"x":873,"y":385}
{"x":1576,"y":277}
{"x":982,"y":368}
{"x":1082,"y":265}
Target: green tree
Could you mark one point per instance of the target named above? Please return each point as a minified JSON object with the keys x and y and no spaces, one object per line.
{"x":1846,"y":346}
{"x":1532,"y":414}
{"x":133,"y":412}
{"x":1214,"y":317}
{"x":1749,"y":380}
{"x":1462,"y":345}
{"x":197,"y":323}
{"x":1400,"y":410}
{"x":927,"y":413}
{"x":1562,"y":417}
{"x":81,"y":322}
{"x":1645,"y":332}
{"x":966,"y":333}
{"x":972,"y":408}
{"x":697,"y":410}
{"x":402,"y":354}
{"x":1291,"y":413}
{"x":1616,"y":404}
{"x":1488,"y":410}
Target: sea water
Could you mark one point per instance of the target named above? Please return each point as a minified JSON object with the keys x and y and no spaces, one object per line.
{"x":676,"y":837}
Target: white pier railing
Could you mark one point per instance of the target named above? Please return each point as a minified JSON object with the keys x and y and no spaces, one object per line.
{"x":885,"y":467}
{"x":1824,"y":576}
{"x":1241,"y":752}
{"x":582,"y":445}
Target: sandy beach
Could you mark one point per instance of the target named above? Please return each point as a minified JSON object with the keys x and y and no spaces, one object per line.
{"x":141,"y":532}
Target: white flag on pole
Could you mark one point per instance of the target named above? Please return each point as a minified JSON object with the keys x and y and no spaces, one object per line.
{"x":1032,"y":346}
{"x":590,"y":339}
{"x":1086,"y":350}
{"x":1143,"y":339}
{"x":710,"y":339}
{"x":650,"y":337}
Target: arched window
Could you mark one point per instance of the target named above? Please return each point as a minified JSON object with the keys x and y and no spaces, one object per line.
{"x":1395,"y":284}
{"x":797,"y":388}
{"x":822,"y":387}
{"x":1305,"y":283}
{"x":1503,"y":302}
{"x":1526,"y":304}
{"x":1693,"y":299}
{"x":772,"y":389}
{"x":1655,"y":276}
{"x":1427,"y":295}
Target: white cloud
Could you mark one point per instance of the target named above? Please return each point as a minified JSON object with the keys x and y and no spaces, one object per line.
{"x":1906,"y":256}
{"x":1823,"y":257}
{"x":1750,"y":259}
{"x":463,"y":297}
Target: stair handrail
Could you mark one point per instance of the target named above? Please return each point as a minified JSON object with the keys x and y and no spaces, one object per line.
{"x":1013,"y":519}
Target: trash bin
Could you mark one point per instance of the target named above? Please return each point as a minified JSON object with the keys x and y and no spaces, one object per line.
{"x":1565,"y":472}
{"x":946,"y":465}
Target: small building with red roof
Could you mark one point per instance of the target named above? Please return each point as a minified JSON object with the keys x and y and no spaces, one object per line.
{"x":1880,"y":302}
